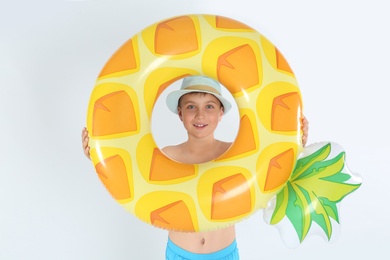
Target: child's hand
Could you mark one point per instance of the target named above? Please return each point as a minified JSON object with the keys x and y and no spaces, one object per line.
{"x":84,"y":141}
{"x":305,"y":130}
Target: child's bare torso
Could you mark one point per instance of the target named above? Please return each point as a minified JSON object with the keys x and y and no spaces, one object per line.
{"x":204,"y":242}
{"x":194,"y":153}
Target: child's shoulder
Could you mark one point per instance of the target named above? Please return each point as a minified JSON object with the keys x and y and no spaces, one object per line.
{"x":169,"y":148}
{"x":172,"y":151}
{"x":223,"y":147}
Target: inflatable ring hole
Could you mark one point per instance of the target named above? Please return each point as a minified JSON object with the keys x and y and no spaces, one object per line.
{"x":167,"y":129}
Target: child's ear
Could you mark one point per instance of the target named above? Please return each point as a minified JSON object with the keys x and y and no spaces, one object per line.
{"x":179,"y":112}
{"x":222,"y":111}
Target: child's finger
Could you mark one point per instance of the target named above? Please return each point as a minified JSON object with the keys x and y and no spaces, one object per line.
{"x":86,"y":152}
{"x":85,"y":141}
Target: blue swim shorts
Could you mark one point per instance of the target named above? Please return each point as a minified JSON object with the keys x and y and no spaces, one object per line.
{"x":173,"y":252}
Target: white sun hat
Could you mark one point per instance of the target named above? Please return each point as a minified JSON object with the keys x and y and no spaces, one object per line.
{"x":197,"y":84}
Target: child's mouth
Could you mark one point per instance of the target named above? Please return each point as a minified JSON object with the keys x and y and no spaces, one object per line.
{"x":199,"y":125}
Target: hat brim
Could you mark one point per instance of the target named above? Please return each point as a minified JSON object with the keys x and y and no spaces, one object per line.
{"x":172,"y":99}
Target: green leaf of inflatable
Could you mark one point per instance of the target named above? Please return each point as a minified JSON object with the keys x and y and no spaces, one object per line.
{"x":319,"y":182}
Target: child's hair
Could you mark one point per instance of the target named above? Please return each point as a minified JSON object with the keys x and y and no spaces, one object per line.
{"x":198,"y":93}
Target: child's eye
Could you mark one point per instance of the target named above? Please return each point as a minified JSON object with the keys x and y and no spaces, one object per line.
{"x":209,"y":106}
{"x":190,"y":107}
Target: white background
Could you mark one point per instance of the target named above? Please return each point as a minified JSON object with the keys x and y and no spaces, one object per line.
{"x":52,"y":205}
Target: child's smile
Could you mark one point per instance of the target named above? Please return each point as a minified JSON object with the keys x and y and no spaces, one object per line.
{"x":200,"y":126}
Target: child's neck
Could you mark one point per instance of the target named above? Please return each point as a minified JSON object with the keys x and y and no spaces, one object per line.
{"x":202,"y":144}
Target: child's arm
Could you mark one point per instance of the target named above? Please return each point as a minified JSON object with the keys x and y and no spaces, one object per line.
{"x":305,"y":130}
{"x":84,"y":141}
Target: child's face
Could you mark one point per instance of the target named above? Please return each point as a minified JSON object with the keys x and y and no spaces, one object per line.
{"x":200,"y":113}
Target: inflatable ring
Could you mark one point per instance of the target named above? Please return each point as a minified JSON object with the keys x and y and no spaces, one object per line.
{"x":207,"y":196}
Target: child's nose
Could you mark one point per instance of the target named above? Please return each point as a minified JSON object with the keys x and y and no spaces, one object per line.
{"x":200,"y":113}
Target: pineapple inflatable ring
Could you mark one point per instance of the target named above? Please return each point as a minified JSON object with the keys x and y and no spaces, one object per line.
{"x":202,"y":197}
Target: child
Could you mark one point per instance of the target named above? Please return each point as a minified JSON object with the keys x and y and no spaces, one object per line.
{"x":200,"y":107}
